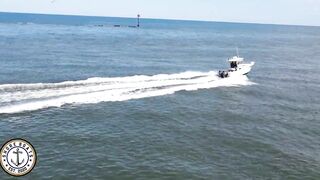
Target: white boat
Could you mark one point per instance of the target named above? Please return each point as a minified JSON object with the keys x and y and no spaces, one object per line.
{"x":237,"y":67}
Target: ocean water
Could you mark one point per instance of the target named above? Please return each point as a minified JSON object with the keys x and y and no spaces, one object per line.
{"x":100,"y":102}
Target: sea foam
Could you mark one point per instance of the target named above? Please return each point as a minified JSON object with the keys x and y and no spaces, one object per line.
{"x":15,"y":98}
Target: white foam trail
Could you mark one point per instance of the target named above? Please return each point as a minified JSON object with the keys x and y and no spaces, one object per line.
{"x":15,"y":98}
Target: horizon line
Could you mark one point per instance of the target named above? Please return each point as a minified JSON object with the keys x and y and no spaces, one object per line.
{"x":170,"y":19}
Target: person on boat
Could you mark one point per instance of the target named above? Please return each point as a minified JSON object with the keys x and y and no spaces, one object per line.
{"x":234,"y":65}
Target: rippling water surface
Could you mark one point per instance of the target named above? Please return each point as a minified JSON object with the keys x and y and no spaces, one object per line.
{"x":126,"y":103}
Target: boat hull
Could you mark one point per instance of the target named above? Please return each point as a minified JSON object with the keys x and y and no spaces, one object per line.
{"x":242,"y":69}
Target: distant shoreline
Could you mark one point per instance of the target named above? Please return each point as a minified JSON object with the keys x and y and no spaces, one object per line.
{"x":143,"y":18}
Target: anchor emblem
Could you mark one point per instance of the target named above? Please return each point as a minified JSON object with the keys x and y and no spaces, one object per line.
{"x":17,"y":163}
{"x":17,"y":157}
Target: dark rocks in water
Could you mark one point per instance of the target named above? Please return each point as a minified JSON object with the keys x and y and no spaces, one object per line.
{"x":125,"y":26}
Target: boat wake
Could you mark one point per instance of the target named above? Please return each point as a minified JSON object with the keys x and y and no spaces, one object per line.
{"x":15,"y":98}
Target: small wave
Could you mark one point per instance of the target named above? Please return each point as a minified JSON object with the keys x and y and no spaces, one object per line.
{"x":15,"y":98}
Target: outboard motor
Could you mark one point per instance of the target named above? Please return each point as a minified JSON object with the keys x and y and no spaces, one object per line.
{"x":226,"y":74}
{"x":223,"y":74}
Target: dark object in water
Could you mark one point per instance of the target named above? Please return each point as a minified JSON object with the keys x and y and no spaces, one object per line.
{"x":124,"y":26}
{"x":138,"y":18}
{"x":130,"y":26}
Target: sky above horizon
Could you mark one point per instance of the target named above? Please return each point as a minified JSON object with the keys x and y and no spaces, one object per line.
{"x":296,"y":12}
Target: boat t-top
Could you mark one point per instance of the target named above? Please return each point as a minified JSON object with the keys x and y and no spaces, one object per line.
{"x":237,"y":67}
